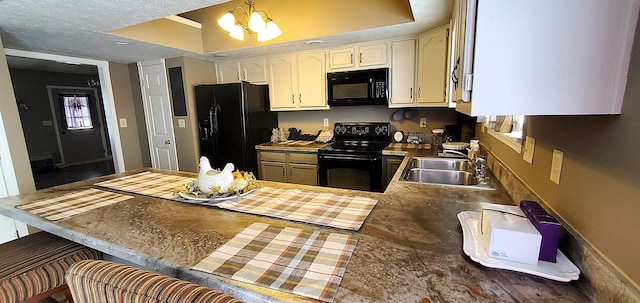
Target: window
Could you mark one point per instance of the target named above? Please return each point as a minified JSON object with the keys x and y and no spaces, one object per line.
{"x":508,"y":129}
{"x":76,"y":112}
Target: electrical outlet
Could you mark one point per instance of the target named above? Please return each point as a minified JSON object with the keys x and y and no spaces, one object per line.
{"x":556,"y":166}
{"x":123,"y":122}
{"x":529,"y":146}
{"x":181,"y":123}
{"x":326,"y":122}
{"x":423,"y":122}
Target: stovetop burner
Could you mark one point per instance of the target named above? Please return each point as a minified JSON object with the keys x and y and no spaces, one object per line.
{"x":359,"y":138}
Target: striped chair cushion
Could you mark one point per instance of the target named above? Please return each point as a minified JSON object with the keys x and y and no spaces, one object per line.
{"x":102,"y":281}
{"x":36,"y":263}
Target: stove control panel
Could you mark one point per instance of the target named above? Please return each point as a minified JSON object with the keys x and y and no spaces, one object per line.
{"x":363,"y":130}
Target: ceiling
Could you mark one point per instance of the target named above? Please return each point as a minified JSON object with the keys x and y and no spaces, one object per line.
{"x":81,"y":29}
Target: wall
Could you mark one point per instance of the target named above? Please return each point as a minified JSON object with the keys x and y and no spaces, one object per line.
{"x":312,"y":121}
{"x":125,"y":109}
{"x":30,"y":88}
{"x":600,"y":180}
{"x":194,"y":71}
{"x":138,"y":106}
{"x":18,"y":171}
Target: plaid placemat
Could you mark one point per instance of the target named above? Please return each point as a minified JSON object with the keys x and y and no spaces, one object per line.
{"x":73,"y":203}
{"x":326,"y":209}
{"x":149,"y":184}
{"x":309,"y":264}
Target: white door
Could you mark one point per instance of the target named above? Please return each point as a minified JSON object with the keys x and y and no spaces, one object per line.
{"x":157,"y":111}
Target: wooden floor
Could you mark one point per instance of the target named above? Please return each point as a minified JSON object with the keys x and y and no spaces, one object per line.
{"x":74,"y":173}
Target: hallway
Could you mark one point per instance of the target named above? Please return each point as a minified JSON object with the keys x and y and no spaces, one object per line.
{"x":74,"y":173}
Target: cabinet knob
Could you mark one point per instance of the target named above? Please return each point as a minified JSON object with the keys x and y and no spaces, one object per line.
{"x":351,"y":58}
{"x":293,"y":99}
{"x":300,"y":98}
{"x":411,"y":93}
{"x":419,"y":91}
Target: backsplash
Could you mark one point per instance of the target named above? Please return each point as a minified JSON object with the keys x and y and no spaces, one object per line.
{"x":312,"y":121}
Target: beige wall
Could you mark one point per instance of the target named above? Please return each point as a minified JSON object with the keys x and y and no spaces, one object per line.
{"x":599,"y":186}
{"x":194,"y":72}
{"x":123,"y":99}
{"x":15,"y":137}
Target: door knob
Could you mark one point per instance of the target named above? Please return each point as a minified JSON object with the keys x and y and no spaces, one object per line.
{"x":167,"y":142}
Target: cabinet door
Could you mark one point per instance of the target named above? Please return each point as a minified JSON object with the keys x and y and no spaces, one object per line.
{"x":303,"y":174}
{"x":254,"y":71}
{"x":273,"y":171}
{"x":373,"y":55}
{"x":432,"y":68}
{"x":341,"y":58}
{"x":228,"y":72}
{"x":403,"y":64}
{"x":282,"y":83}
{"x":391,"y":166}
{"x":312,"y":81}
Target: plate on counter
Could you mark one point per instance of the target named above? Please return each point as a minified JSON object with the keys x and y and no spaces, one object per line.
{"x":192,"y":197}
{"x":563,"y":270}
{"x":455,"y":145}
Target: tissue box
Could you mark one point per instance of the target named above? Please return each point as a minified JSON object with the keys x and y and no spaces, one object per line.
{"x":548,"y":227}
{"x":507,"y":234}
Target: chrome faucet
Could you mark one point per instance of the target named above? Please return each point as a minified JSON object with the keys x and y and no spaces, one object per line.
{"x":478,"y":164}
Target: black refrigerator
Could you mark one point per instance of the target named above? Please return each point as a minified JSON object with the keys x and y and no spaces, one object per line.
{"x":232,"y":119}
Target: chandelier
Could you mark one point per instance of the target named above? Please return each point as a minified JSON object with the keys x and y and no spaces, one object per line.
{"x":238,"y":21}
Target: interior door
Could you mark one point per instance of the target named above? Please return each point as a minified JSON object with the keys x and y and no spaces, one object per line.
{"x":157,"y":111}
{"x":79,"y":144}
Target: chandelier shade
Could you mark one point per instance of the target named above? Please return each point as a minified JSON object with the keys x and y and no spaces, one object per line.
{"x":240,"y":21}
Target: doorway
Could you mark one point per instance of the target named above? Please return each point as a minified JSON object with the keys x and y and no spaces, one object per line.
{"x":63,"y":120}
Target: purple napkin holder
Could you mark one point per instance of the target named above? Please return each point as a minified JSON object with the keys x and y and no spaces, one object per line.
{"x":548,"y":227}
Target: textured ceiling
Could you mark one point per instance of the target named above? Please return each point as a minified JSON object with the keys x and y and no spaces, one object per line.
{"x":78,"y":28}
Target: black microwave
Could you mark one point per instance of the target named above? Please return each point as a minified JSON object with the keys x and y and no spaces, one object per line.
{"x":360,"y":87}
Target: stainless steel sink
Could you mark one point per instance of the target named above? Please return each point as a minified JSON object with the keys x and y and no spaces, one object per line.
{"x":444,"y":171}
{"x":437,"y":176}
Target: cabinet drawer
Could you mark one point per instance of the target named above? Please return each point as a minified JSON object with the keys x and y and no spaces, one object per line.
{"x":273,"y":156}
{"x":303,"y":158}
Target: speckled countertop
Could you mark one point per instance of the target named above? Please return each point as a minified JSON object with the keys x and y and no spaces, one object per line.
{"x":409,"y":249}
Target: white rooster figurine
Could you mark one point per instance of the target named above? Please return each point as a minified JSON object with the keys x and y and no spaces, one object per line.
{"x":210,"y":179}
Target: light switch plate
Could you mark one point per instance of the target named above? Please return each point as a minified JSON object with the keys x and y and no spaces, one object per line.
{"x":529,"y":146}
{"x":325,"y":122}
{"x":556,"y":166}
{"x":181,"y":123}
{"x":123,"y":122}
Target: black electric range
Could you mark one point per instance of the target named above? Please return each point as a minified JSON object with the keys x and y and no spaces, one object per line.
{"x":354,"y":160}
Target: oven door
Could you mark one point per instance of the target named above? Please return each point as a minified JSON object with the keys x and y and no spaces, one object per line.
{"x":362,"y":172}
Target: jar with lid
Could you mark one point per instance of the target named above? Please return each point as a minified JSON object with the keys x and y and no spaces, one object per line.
{"x":437,"y":138}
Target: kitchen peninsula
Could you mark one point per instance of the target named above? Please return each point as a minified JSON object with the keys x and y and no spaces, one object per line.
{"x":409,"y":248}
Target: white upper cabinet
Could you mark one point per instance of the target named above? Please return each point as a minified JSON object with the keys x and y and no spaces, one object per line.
{"x":254,"y":71}
{"x":359,"y":57}
{"x":370,"y":55}
{"x":545,"y":57}
{"x":403,"y":67}
{"x":228,"y":72}
{"x":282,"y":83}
{"x":342,"y":58}
{"x":432,"y":69}
{"x":298,"y":82}
{"x":312,"y":80}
